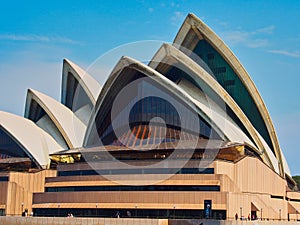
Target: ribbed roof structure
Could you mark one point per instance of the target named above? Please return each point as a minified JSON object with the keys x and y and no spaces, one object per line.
{"x":195,"y":87}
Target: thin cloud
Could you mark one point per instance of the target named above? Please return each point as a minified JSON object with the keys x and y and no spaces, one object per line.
{"x":177,"y":17}
{"x":173,"y":4}
{"x":266,"y":30}
{"x":258,"y":43}
{"x":37,"y":38}
{"x":252,"y":39}
{"x":151,"y":10}
{"x":223,"y":24}
{"x":285,"y":53}
{"x":235,"y":37}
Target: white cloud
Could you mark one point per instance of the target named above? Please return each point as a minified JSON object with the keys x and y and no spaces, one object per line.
{"x":177,"y":18}
{"x":258,"y":43}
{"x":223,"y":24}
{"x":37,"y":38}
{"x":235,"y":37}
{"x":286,"y":53}
{"x":251,"y":39}
{"x":266,"y":30}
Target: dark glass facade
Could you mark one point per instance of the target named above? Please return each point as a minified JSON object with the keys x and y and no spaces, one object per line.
{"x":4,"y":179}
{"x":177,"y":120}
{"x":131,"y":213}
{"x":135,"y":188}
{"x":137,"y":171}
{"x":228,"y":79}
{"x":76,"y":97}
{"x":9,"y":147}
{"x":36,"y":113}
{"x":177,"y":72}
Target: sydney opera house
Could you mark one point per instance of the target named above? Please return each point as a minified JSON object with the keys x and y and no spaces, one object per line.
{"x":186,"y":135}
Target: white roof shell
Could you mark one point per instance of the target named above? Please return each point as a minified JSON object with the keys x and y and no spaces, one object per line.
{"x":70,"y":127}
{"x":88,"y":83}
{"x":202,"y":30}
{"x":171,"y":55}
{"x":220,"y":123}
{"x":36,"y":142}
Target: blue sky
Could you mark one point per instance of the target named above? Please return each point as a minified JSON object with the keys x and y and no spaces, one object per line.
{"x":35,"y":36}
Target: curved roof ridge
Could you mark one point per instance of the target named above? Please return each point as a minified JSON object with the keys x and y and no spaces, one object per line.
{"x":176,"y":89}
{"x":22,"y":130}
{"x":234,"y":133}
{"x":192,"y":21}
{"x":168,"y":50}
{"x":89,"y":84}
{"x":70,"y":127}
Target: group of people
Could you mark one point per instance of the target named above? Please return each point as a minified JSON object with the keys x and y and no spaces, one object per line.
{"x":253,"y":217}
{"x":70,"y":215}
{"x":25,"y":213}
{"x":128,"y":213}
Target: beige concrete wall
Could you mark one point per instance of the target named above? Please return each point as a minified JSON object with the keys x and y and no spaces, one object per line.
{"x":293,"y":195}
{"x":20,"y":189}
{"x":270,"y":207}
{"x":16,"y":195}
{"x":250,"y":175}
{"x":126,"y":221}
{"x":142,"y":179}
{"x":231,"y":222}
{"x":254,"y":176}
{"x":33,"y":182}
{"x":78,"y":221}
{"x":3,"y":192}
{"x":255,"y":183}
{"x":145,"y":200}
{"x":245,"y":182}
{"x":248,"y":181}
